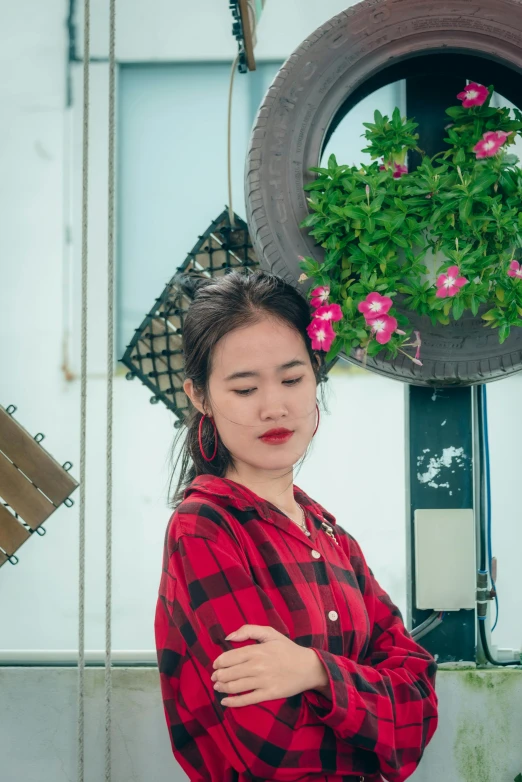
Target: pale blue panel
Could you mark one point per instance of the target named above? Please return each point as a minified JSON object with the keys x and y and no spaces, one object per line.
{"x":348,"y":140}
{"x":172,"y":180}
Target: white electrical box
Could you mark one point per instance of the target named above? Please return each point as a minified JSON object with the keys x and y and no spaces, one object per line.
{"x":445,"y":559}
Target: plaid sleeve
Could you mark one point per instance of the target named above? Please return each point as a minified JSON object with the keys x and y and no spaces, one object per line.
{"x":385,"y":703}
{"x":209,"y":593}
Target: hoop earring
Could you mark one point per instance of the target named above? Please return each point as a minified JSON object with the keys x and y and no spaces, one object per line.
{"x":200,"y":438}
{"x":318,"y":418}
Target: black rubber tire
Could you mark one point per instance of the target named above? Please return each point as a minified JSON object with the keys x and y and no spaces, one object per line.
{"x":302,"y":105}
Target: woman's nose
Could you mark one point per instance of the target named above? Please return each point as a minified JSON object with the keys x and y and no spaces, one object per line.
{"x":272,"y":410}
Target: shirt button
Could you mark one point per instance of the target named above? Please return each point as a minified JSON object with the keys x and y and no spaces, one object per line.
{"x":308,"y":532}
{"x":333,"y":615}
{"x":315,"y":554}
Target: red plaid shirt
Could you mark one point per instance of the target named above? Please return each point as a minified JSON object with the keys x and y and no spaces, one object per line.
{"x":231,"y":559}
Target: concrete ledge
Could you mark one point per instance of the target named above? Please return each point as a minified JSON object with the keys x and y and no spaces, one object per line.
{"x":479,"y":738}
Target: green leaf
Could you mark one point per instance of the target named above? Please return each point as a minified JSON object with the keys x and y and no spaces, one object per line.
{"x":311,"y":220}
{"x":466,"y":209}
{"x":400,"y":240}
{"x":483,"y":183}
{"x":456,"y":112}
{"x":334,"y":350}
{"x":504,"y":332}
{"x":460,"y":157}
{"x":458,"y":308}
{"x":354,"y":212}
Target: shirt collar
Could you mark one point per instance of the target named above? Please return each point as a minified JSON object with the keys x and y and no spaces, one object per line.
{"x":241,"y":497}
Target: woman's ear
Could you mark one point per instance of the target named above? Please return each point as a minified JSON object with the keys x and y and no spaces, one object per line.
{"x":194,"y":396}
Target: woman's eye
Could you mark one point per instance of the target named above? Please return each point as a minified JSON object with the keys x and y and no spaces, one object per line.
{"x":247,"y":391}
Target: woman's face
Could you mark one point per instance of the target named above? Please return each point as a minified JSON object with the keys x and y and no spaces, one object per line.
{"x":262,"y":395}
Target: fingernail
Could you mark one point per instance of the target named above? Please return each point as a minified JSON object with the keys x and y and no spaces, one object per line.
{"x":231,"y":635}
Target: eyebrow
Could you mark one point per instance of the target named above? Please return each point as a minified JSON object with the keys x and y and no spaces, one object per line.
{"x":288,"y":365}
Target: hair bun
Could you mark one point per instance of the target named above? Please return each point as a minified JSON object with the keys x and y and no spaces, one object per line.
{"x":192,"y":282}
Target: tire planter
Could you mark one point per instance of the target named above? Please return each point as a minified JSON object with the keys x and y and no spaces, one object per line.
{"x":365,"y":47}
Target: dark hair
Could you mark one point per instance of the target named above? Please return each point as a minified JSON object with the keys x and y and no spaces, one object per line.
{"x":220,"y":306}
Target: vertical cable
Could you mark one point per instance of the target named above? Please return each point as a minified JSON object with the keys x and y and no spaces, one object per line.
{"x":229,"y":142}
{"x":110,"y":376}
{"x":83,"y":389}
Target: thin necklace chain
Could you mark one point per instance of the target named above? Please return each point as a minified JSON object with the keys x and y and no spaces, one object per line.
{"x":303,"y":519}
{"x":302,"y":524}
{"x":304,"y":528}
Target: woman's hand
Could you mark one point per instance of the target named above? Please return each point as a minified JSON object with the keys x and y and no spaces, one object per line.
{"x":275,"y":668}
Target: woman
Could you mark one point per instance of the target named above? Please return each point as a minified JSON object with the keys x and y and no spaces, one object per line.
{"x":280,"y":656}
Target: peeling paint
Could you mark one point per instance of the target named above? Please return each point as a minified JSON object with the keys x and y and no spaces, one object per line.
{"x":437,"y":463}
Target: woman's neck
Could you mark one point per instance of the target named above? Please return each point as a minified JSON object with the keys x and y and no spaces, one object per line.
{"x":275,"y":487}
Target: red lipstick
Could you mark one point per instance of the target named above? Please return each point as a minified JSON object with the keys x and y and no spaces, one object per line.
{"x":276,"y":436}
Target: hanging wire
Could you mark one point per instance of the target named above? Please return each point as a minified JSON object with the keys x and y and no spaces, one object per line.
{"x":83,"y":391}
{"x":253,"y":27}
{"x":110,"y":375}
{"x":229,"y":141}
{"x":488,"y":498}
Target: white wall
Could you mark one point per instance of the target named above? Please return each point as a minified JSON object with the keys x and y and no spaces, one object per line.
{"x":40,"y":147}
{"x":40,"y":161}
{"x":174,"y":30}
{"x":45,"y":187}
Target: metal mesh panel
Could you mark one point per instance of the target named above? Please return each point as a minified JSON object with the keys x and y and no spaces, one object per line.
{"x":154,"y":354}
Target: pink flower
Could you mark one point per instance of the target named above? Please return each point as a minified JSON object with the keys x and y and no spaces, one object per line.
{"x":329,"y":312}
{"x":320,"y":296}
{"x":374,"y":306}
{"x":515,"y":270}
{"x":490,"y":143}
{"x":474,"y":95}
{"x":321,"y":333}
{"x":399,"y":170}
{"x":383,"y":328}
{"x":449,"y":284}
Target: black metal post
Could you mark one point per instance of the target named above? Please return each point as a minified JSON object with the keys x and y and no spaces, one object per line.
{"x":439,"y":421}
